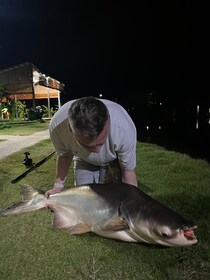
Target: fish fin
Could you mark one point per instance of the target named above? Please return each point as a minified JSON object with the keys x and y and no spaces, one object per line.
{"x":79,"y":229}
{"x":115,"y":224}
{"x":59,"y":220}
{"x":29,"y":192}
{"x":30,"y":197}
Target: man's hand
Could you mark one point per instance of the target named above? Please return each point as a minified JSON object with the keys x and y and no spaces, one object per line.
{"x":52,"y":191}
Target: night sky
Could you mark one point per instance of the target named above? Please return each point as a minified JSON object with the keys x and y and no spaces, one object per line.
{"x":118,"y":48}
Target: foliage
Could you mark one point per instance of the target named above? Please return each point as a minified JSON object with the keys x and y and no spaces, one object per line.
{"x":4,"y":94}
{"x":11,"y":108}
{"x":53,"y":110}
{"x":5,"y":102}
{"x":20,"y":109}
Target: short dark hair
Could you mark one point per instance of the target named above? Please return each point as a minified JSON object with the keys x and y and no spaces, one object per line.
{"x":89,"y":116}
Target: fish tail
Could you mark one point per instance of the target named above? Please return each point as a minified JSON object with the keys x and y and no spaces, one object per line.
{"x":30,"y":192}
{"x":32,"y":199}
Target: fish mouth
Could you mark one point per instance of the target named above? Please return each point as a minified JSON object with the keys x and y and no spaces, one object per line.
{"x":189,"y":233}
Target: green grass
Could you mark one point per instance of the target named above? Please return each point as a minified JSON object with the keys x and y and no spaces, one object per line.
{"x":22,"y":128}
{"x":31,"y":249}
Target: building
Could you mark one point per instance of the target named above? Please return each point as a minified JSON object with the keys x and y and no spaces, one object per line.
{"x":26,"y":82}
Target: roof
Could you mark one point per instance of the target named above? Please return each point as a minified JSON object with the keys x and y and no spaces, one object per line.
{"x":24,"y":80}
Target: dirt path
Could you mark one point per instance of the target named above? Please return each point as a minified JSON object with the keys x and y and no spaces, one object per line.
{"x":17,"y":143}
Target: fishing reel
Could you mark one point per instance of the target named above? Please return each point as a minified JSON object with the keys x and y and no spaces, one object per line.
{"x":28,"y":162}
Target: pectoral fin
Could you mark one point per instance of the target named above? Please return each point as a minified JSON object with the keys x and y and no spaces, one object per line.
{"x":79,"y":229}
{"x":115,"y":224}
{"x":59,"y":220}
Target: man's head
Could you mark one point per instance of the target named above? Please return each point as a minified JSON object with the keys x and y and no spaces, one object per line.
{"x":89,"y":122}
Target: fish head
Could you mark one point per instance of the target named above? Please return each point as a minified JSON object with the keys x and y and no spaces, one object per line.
{"x":182,"y":235}
{"x":157,"y":224}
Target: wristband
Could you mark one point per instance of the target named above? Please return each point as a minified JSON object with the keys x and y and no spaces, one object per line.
{"x":58,"y":185}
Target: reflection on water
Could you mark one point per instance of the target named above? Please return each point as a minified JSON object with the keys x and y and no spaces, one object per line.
{"x":193,"y":143}
{"x":179,"y":124}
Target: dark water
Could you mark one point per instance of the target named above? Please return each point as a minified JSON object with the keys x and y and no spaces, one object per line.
{"x":194,"y":144}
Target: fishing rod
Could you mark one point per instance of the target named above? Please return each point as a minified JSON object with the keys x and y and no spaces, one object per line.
{"x":32,"y":168}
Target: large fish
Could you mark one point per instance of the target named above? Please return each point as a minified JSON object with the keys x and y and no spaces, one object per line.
{"x":117,"y":211}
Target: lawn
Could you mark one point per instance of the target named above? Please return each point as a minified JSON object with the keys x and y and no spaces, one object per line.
{"x":31,"y":249}
{"x":22,"y":127}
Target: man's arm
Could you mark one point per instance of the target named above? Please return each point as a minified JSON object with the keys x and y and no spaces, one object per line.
{"x":129,"y":177}
{"x":62,"y":168}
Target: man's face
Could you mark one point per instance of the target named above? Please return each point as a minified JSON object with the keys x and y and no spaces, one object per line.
{"x":90,"y":145}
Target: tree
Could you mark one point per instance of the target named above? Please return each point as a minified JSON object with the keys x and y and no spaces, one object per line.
{"x":4,"y":95}
{"x":9,"y":107}
{"x":4,"y":100}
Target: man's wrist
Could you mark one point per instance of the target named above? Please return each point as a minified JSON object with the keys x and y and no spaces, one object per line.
{"x":58,"y":185}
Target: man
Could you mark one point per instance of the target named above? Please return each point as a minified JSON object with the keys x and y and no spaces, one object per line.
{"x":92,"y":133}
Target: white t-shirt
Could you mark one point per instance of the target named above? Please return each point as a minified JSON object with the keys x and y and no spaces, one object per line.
{"x":120,"y":143}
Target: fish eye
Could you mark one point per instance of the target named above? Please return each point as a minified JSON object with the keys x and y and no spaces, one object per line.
{"x":164,"y":231}
{"x":167,"y":233}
